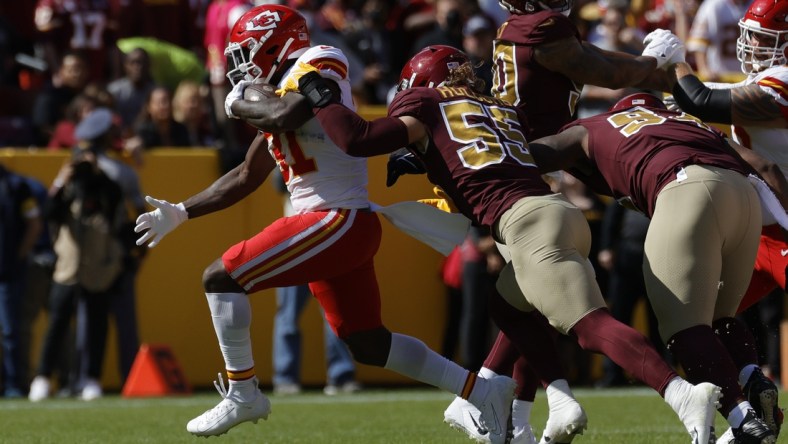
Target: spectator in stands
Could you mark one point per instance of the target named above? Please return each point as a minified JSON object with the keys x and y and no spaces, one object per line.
{"x":338,"y":16}
{"x":356,"y":66}
{"x":100,"y":139}
{"x":156,"y":126}
{"x":713,"y":36}
{"x":190,"y":108}
{"x":20,"y":226}
{"x":88,"y":213}
{"x":93,"y":96}
{"x":63,"y":135}
{"x":451,"y":275}
{"x":675,"y":15}
{"x":86,"y":26}
{"x":481,"y":264}
{"x":39,"y":279}
{"x":51,"y":103}
{"x":131,"y":90}
{"x":611,"y":34}
{"x":374,"y":44}
{"x":447,"y":30}
{"x":478,"y":36}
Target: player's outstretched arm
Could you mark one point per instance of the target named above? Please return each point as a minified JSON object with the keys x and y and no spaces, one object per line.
{"x":739,"y":104}
{"x":561,"y":151}
{"x":694,"y":97}
{"x":236,"y":184}
{"x":224,"y":192}
{"x":588,"y":65}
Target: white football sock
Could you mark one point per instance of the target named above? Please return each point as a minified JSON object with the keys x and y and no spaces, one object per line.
{"x":411,"y":357}
{"x":231,"y":314}
{"x":521,"y":414}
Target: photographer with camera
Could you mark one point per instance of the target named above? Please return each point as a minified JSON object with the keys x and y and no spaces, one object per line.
{"x":87,"y":213}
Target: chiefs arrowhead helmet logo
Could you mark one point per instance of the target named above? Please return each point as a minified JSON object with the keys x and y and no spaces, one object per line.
{"x":264,"y":21}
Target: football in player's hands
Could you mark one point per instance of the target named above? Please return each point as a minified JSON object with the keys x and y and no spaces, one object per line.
{"x":257,"y":91}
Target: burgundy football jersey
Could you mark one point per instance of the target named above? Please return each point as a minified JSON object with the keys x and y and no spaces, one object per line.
{"x":477,"y":150}
{"x":548,"y":98}
{"x":640,"y":150}
{"x":87,"y":26}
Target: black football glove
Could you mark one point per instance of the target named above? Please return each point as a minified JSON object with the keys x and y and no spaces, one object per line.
{"x":402,"y":162}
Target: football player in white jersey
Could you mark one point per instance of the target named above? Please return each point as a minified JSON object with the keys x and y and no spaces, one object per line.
{"x":757,"y":109}
{"x":329,"y":243}
{"x":712,"y":39}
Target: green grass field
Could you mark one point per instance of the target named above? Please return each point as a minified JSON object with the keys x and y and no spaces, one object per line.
{"x":405,"y":416}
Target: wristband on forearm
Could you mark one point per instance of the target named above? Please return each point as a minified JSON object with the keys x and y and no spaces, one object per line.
{"x":316,"y":89}
{"x":713,"y":105}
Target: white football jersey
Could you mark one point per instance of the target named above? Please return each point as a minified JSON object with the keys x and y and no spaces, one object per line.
{"x":318,"y":174}
{"x":714,"y":31}
{"x":771,"y":143}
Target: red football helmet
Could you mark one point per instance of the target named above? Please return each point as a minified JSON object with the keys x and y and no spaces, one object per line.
{"x":638,"y":99}
{"x":262,"y":39}
{"x":431,"y":66}
{"x":531,"y":6}
{"x":763,"y":40}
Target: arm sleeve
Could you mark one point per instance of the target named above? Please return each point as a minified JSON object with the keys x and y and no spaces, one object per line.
{"x":357,"y":136}
{"x":713,"y":105}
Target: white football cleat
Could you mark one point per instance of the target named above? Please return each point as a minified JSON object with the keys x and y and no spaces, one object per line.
{"x":697,"y":409}
{"x":464,"y":416}
{"x":496,"y":408}
{"x":564,"y":423}
{"x":229,"y":412}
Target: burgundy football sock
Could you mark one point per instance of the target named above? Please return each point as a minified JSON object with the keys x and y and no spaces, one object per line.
{"x":738,"y":340}
{"x":527,"y":381}
{"x":531,"y":336}
{"x":705,"y":359}
{"x":502,"y":356}
{"x":600,"y":332}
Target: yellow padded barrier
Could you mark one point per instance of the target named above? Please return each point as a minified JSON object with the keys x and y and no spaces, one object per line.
{"x":170,"y":301}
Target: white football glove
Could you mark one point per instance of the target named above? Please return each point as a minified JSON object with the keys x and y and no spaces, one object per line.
{"x":165,"y":218}
{"x":664,"y":46}
{"x":237,"y":93}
